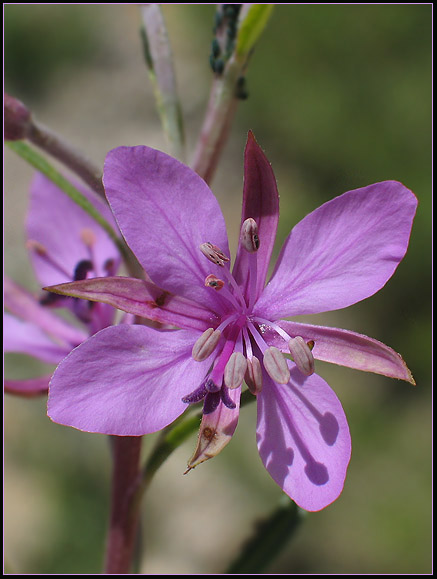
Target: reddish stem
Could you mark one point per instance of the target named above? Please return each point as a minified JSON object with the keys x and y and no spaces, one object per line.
{"x":124,"y":518}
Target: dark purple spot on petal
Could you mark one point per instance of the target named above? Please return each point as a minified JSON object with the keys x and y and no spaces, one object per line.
{"x":329,"y":428}
{"x":317,"y":473}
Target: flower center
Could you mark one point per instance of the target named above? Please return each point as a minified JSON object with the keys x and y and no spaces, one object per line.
{"x":236,"y":346}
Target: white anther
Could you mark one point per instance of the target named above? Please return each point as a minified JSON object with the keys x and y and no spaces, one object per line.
{"x":214,"y":282}
{"x":276,"y":365}
{"x":302,"y":355}
{"x":254,"y":376}
{"x":235,"y":370}
{"x":214,"y":253}
{"x":249,"y":235}
{"x":205,"y":345}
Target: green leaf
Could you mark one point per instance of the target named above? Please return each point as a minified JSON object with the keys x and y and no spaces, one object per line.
{"x":251,"y":28}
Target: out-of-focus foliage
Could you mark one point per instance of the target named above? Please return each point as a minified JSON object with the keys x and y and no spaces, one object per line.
{"x":339,"y":97}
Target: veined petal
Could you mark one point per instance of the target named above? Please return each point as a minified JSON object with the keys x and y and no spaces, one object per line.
{"x":343,"y":252}
{"x":216,"y":430}
{"x":125,"y":380}
{"x":303,"y":439}
{"x":23,"y":305}
{"x":28,"y":388}
{"x":25,"y":338}
{"x":345,"y":348}
{"x":165,"y":212}
{"x":58,"y":224}
{"x":261,"y":203}
{"x":140,"y":298}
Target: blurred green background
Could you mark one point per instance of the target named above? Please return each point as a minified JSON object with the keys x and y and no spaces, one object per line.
{"x":340,"y":97}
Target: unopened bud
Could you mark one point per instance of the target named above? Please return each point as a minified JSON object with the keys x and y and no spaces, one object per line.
{"x":302,"y":355}
{"x":254,"y":376}
{"x":17,"y":119}
{"x":214,"y":253}
{"x":276,"y":365}
{"x":249,"y":235}
{"x":235,"y":370}
{"x":206,"y":344}
{"x":214,"y":282}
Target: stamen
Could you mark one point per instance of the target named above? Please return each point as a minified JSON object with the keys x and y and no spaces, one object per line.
{"x":41,"y":251}
{"x":214,"y":253}
{"x":276,"y":365}
{"x":302,"y":355}
{"x":206,"y":344}
{"x":254,"y":376}
{"x":249,"y":235}
{"x":214,"y":282}
{"x":235,"y":370}
{"x":88,"y":237}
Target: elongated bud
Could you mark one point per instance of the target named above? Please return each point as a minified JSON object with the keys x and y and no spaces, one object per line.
{"x":235,"y":370}
{"x":214,"y":253}
{"x":302,"y":355}
{"x":276,"y":365}
{"x":249,"y":235}
{"x":214,"y":282}
{"x":206,"y":344}
{"x":254,"y":376}
{"x":17,"y":119}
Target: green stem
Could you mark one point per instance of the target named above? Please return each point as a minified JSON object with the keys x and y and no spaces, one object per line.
{"x":38,"y":162}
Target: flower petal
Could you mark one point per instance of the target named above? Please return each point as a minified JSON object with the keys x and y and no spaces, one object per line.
{"x":303,"y":439}
{"x":140,"y":298}
{"x":28,"y":388}
{"x":126,"y":380}
{"x":343,"y":252}
{"x":345,"y":348}
{"x":165,"y":212}
{"x":25,"y":338}
{"x":23,"y":305}
{"x":260,"y":202}
{"x":58,"y":224}
{"x":216,"y":430}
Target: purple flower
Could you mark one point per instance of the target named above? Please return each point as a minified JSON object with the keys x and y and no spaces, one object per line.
{"x":133,"y":380}
{"x":64,"y":244}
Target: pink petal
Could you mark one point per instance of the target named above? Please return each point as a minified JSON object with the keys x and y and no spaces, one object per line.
{"x":24,"y":305}
{"x":165,"y":212}
{"x":126,"y":380}
{"x":141,"y":298}
{"x":25,"y":338}
{"x":57,"y":223}
{"x":343,"y":252}
{"x":28,"y":388}
{"x":303,"y":439}
{"x":261,"y":202}
{"x":345,"y":348}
